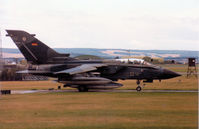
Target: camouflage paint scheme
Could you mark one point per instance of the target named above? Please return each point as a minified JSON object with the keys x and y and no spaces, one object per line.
{"x":83,"y":74}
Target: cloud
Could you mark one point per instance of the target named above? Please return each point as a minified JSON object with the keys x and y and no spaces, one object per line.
{"x":95,"y":24}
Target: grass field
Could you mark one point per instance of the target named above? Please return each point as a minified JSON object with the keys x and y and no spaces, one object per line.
{"x":99,"y":110}
{"x":102,"y":110}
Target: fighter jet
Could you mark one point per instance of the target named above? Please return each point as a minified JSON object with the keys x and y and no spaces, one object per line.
{"x":84,"y":74}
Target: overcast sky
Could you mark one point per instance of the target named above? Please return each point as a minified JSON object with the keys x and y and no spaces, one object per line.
{"x":128,"y":24}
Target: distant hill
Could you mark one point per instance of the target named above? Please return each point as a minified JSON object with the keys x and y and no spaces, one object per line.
{"x":87,"y":57}
{"x":112,"y":53}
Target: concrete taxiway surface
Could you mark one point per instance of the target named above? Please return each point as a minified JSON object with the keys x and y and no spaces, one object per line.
{"x":129,"y":90}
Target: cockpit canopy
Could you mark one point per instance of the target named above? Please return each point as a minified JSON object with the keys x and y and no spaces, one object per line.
{"x":133,"y":61}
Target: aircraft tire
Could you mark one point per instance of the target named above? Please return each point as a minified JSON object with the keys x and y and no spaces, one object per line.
{"x":82,"y":89}
{"x":139,"y":88}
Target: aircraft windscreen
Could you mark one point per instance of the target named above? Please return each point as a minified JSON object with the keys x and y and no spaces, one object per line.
{"x":134,"y":61}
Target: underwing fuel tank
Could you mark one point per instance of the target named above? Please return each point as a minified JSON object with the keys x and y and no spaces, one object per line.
{"x":86,"y":81}
{"x":110,"y":85}
{"x":91,"y":83}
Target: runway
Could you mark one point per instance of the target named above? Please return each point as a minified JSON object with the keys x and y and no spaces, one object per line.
{"x":115,"y":90}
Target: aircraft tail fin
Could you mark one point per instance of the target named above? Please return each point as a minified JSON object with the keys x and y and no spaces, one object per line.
{"x":33,"y":50}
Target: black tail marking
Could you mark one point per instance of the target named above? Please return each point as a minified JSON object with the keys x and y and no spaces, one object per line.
{"x":33,"y":50}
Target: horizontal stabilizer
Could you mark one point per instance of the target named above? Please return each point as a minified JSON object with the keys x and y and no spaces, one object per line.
{"x":33,"y":72}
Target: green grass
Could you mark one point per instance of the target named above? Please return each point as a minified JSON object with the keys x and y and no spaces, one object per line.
{"x":99,"y":110}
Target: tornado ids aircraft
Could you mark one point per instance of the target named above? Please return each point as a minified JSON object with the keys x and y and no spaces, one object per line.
{"x":84,"y":74}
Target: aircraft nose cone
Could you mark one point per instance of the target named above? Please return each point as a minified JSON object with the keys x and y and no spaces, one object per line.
{"x":169,"y":74}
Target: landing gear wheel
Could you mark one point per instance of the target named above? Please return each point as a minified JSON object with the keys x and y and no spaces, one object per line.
{"x":65,"y":86}
{"x":82,"y":89}
{"x":139,"y":88}
{"x":59,"y":87}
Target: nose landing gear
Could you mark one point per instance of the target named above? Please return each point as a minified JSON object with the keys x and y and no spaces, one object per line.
{"x":139,"y":88}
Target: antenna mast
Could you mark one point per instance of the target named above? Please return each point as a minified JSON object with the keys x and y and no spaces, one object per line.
{"x":1,"y":59}
{"x":1,"y":56}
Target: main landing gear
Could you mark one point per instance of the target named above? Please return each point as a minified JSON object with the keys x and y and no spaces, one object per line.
{"x":139,"y":88}
{"x":82,"y":89}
